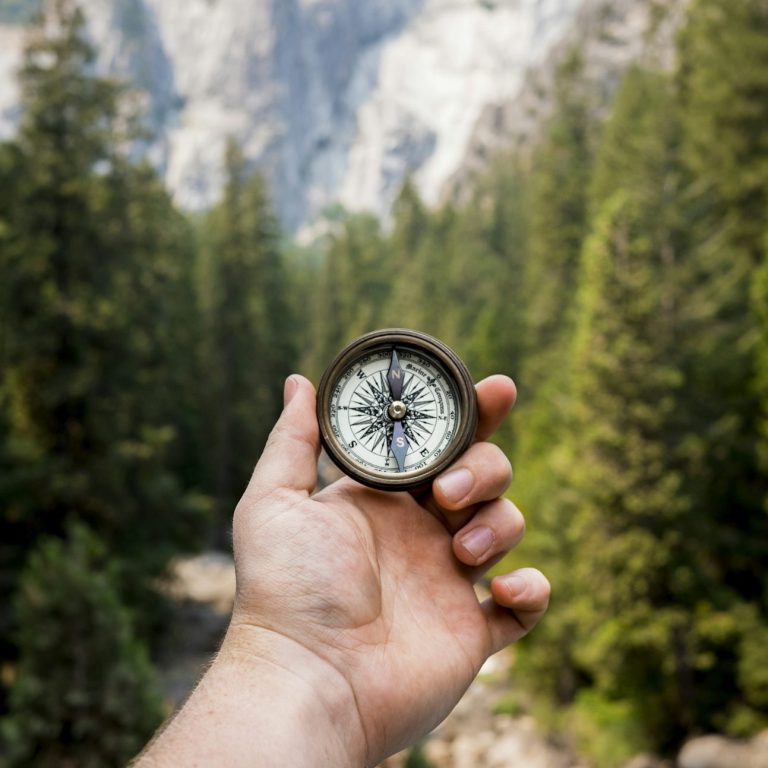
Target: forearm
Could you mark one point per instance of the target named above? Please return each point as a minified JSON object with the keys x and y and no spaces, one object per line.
{"x":264,"y":702}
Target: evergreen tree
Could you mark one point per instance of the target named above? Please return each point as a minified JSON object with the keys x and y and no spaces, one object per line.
{"x":557,"y":221}
{"x":492,"y":329}
{"x":760,"y":301}
{"x":647,"y":599}
{"x":412,"y":258}
{"x":723,"y":81}
{"x":92,"y":265}
{"x":410,"y":221}
{"x":349,"y":296}
{"x":84,"y":692}
{"x":250,"y":348}
{"x":629,"y":507}
{"x":724,"y":106}
{"x":558,"y":209}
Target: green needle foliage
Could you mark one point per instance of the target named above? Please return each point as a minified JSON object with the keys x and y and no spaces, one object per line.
{"x":250,"y":345}
{"x":558,"y":206}
{"x":760,"y":301}
{"x":723,"y":90}
{"x":625,"y":470}
{"x":657,"y":551}
{"x":85,"y":693}
{"x":98,"y":326}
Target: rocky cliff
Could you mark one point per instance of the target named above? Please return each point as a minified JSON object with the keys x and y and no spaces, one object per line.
{"x":335,"y":100}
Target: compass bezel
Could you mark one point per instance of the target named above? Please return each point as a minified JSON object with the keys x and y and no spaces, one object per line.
{"x":423,"y":344}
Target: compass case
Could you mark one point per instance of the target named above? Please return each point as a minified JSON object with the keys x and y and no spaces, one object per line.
{"x":431,"y":349}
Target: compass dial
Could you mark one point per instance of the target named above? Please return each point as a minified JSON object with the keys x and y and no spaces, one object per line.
{"x":395,"y":408}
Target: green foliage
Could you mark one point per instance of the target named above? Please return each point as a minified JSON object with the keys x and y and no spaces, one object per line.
{"x":94,"y":265}
{"x":607,"y":730}
{"x":249,"y":331}
{"x":760,"y":303}
{"x":724,"y":107}
{"x":558,"y":206}
{"x":417,"y":759}
{"x":84,"y":692}
{"x":511,"y":704}
{"x":629,"y":505}
{"x":350,"y":287}
{"x":723,"y":81}
{"x":455,"y":273}
{"x":646,"y":563}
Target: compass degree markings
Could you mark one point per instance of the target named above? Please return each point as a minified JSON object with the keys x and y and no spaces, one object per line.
{"x":369,"y":425}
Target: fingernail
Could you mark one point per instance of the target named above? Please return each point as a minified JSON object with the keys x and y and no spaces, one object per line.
{"x":477,"y":541}
{"x":516,"y":584}
{"x":456,"y":485}
{"x":289,"y":390}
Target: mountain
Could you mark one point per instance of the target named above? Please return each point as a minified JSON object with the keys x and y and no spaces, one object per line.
{"x":334,"y":100}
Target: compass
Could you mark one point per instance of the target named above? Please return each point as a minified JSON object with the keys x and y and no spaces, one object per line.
{"x":395,"y":408}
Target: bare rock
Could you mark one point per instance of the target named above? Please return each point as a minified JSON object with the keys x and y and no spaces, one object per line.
{"x":208,"y":578}
{"x":721,"y":752}
{"x":647,"y":761}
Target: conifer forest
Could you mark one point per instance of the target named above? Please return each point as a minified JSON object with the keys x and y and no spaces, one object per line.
{"x":616,"y":268}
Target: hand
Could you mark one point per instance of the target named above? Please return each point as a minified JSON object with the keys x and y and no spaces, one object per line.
{"x":358,"y":605}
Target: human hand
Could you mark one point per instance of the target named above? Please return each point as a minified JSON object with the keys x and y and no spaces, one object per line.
{"x":359,"y":603}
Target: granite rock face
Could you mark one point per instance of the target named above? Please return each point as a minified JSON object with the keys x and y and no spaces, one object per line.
{"x":334,"y":100}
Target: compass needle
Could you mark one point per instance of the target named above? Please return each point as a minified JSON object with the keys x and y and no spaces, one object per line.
{"x":395,"y":377}
{"x":399,"y":445}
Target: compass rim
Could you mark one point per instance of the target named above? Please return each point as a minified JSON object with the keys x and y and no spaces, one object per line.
{"x":454,"y":368}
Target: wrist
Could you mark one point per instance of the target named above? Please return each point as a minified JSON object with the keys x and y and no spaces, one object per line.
{"x":265,"y":700}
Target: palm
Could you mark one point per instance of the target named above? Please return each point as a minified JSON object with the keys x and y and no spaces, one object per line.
{"x":387,"y":601}
{"x":374,"y":585}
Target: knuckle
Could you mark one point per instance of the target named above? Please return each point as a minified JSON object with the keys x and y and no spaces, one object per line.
{"x":491,"y":462}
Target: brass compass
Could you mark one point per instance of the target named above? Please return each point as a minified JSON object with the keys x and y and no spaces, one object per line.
{"x":395,"y":408}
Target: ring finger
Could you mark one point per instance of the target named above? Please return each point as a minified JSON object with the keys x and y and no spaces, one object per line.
{"x":496,"y":528}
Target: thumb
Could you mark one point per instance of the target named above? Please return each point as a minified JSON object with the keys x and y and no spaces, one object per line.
{"x":289,"y":460}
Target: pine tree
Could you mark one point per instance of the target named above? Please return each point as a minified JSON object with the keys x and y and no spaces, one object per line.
{"x":629,"y":505}
{"x":250,"y":346}
{"x":557,"y":222}
{"x":648,"y":589}
{"x":724,"y":106}
{"x":492,"y":328}
{"x":760,"y":302}
{"x":615,"y":459}
{"x":413,"y":260}
{"x":85,"y":692}
{"x":723,"y":96}
{"x":350,"y":293}
{"x":723,"y":81}
{"x":558,"y":209}
{"x":92,"y":268}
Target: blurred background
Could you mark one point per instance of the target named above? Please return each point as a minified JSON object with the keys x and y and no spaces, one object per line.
{"x":198,"y":197}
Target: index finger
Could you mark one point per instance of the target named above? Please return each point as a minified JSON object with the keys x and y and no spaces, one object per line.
{"x":495,"y":397}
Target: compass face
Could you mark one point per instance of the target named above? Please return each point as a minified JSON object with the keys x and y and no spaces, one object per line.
{"x":395,"y":408}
